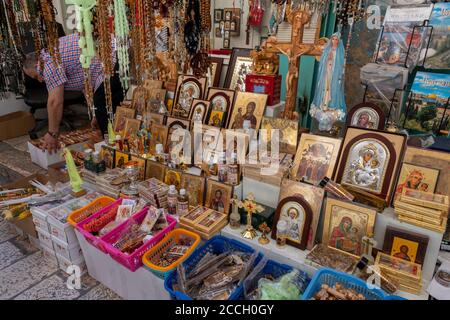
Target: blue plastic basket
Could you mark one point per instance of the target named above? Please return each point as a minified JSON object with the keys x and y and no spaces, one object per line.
{"x":216,"y":245}
{"x":273,"y":268}
{"x":330,"y":277}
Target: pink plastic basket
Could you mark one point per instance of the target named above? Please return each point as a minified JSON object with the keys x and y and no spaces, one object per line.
{"x":134,"y":261}
{"x":94,"y":240}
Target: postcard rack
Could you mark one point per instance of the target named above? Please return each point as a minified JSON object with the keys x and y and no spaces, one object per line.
{"x":425,"y":25}
{"x":443,"y":120}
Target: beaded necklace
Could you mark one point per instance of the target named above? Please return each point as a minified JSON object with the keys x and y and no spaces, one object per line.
{"x":150,"y":40}
{"x":105,"y":49}
{"x":48,"y":14}
{"x":122,"y":31}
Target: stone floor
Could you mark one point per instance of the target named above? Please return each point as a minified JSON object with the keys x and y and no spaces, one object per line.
{"x":25,"y":273}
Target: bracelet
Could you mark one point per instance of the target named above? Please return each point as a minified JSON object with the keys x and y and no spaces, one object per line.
{"x":54,"y":135}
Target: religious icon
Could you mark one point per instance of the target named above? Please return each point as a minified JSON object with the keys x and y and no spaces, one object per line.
{"x":140,"y":166}
{"x":195,"y":188}
{"x":120,"y":118}
{"x":139,"y":100}
{"x":158,"y":136}
{"x":132,"y":127}
{"x":218,"y":15}
{"x":107,"y":155}
{"x":156,"y":102}
{"x":188,"y":89}
{"x":287,"y":133}
{"x":233,"y":26}
{"x":417,"y":178}
{"x":313,"y":197}
{"x":173,"y":177}
{"x":369,"y":159}
{"x":328,"y":105}
{"x":198,"y":110}
{"x":366,"y":115}
{"x":405,"y":245}
{"x":346,"y":224}
{"x":226,"y":43}
{"x":316,"y":158}
{"x":121,"y":159}
{"x":155,"y":170}
{"x":216,"y":118}
{"x":218,"y":196}
{"x":221,"y":102}
{"x":367,"y":165}
{"x":174,"y":124}
{"x":248,"y":107}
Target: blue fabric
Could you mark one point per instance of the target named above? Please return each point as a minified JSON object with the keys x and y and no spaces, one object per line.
{"x":337,"y":83}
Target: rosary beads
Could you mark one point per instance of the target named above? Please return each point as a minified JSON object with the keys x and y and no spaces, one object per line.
{"x":122,"y":31}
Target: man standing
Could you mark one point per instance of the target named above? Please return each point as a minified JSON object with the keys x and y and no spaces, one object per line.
{"x":70,"y":76}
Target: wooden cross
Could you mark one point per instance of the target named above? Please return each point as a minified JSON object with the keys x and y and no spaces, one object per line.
{"x":294,"y":51}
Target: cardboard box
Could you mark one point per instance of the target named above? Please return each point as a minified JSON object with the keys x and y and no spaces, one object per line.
{"x":27,"y":224}
{"x":44,"y":159}
{"x":16,"y":124}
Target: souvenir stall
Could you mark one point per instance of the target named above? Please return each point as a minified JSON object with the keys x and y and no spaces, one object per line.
{"x":241,"y":164}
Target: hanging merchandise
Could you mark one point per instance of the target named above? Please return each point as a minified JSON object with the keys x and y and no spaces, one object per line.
{"x":51,"y":29}
{"x":86,"y":41}
{"x":122,"y":31}
{"x":255,"y":15}
{"x":11,"y":76}
{"x":349,"y":12}
{"x":192,"y":27}
{"x":149,"y":45}
{"x":104,"y":16}
{"x":200,"y":62}
{"x":277,"y":16}
{"x":313,"y":6}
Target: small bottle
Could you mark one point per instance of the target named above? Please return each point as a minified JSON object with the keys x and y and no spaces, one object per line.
{"x":233,"y":171}
{"x":119,"y":144}
{"x":222,"y":168}
{"x":282,"y":229}
{"x":235,"y":217}
{"x":182,"y":203}
{"x":172,"y":198}
{"x":335,"y":189}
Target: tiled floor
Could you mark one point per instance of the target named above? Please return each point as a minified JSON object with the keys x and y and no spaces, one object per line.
{"x":25,"y":273}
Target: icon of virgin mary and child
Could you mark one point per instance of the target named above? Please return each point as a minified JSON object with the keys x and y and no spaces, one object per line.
{"x":345,"y":237}
{"x":329,"y":105}
{"x":365,"y":170}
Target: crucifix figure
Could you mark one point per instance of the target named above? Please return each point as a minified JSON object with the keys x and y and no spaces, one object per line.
{"x":294,"y":51}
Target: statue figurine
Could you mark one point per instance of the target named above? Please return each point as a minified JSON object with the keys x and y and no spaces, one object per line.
{"x":328,"y":105}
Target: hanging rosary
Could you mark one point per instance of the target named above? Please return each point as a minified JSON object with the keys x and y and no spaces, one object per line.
{"x":11,"y":73}
{"x":122,"y":31}
{"x":104,"y":16}
{"x":150,"y":40}
{"x":86,"y":42}
{"x":199,"y":61}
{"x":51,"y":28}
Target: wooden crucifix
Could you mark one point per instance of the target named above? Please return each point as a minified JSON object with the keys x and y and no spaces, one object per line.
{"x":294,"y":50}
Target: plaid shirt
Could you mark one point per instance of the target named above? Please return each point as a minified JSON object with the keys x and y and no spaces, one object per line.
{"x":71,"y":73}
